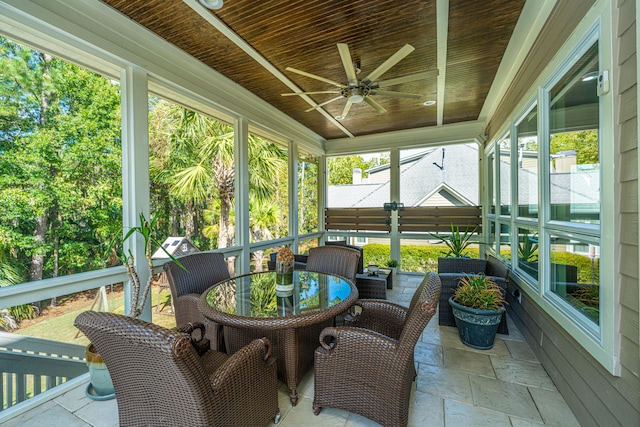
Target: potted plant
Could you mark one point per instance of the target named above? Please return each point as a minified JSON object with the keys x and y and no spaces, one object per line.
{"x":100,"y":386}
{"x":392,"y":264}
{"x":478,"y":305}
{"x":456,"y":260}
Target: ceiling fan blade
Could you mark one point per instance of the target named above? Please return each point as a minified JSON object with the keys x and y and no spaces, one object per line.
{"x":313,"y":76}
{"x":347,"y":63}
{"x":396,"y":94}
{"x":309,"y":93}
{"x":324,"y":103}
{"x":393,"y":60}
{"x":345,"y":110}
{"x":408,"y":78}
{"x":375,"y":105}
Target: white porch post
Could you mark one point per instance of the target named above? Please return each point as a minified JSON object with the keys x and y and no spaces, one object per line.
{"x":135,"y":170}
{"x":241,"y":158}
{"x":394,"y":241}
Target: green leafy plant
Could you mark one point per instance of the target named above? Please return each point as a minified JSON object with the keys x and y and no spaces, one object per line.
{"x":146,"y":230}
{"x":457,"y":242}
{"x":528,"y":248}
{"x":479,"y":292}
{"x":392,"y":263}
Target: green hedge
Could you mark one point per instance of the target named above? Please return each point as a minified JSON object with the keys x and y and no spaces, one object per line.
{"x":418,"y":259}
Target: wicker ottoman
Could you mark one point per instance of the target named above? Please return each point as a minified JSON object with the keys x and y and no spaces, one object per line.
{"x":373,"y":286}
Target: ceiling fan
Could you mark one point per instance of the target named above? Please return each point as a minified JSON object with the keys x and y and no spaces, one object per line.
{"x":356,"y":91}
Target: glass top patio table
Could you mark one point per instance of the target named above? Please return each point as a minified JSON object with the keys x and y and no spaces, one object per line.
{"x":269,"y":295}
{"x":289,"y":310}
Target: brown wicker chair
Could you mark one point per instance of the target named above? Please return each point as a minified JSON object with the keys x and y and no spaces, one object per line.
{"x":203,"y":270}
{"x":338,"y":260}
{"x":160,"y":379}
{"x":368,"y":367}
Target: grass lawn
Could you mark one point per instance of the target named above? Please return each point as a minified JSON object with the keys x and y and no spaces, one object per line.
{"x":59,"y":327}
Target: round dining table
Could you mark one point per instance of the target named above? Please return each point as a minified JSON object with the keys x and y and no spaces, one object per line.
{"x":291,"y":310}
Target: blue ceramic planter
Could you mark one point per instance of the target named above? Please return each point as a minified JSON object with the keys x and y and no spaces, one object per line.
{"x":477,"y":328}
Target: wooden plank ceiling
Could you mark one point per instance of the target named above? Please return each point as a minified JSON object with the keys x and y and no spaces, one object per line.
{"x":304,"y":34}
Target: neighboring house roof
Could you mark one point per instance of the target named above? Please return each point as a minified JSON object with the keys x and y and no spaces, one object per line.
{"x":421,"y":175}
{"x":175,"y":246}
{"x":454,"y":180}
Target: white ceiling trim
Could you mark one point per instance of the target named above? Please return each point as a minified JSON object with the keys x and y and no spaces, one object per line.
{"x":249,"y":50}
{"x":97,"y":29}
{"x":410,"y":138}
{"x":532,"y":19}
{"x":442,"y":28}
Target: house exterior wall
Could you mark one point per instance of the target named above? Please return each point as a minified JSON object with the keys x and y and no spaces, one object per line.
{"x":597,"y":397}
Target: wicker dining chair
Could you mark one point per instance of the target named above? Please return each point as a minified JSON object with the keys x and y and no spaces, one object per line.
{"x":368,"y":367}
{"x":338,"y":260}
{"x":161,"y":380}
{"x":201,"y":271}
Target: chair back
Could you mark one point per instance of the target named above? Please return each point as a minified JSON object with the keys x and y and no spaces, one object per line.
{"x":422,"y":308}
{"x":338,"y":260}
{"x":203,"y":270}
{"x":358,"y":248}
{"x":157,"y":375}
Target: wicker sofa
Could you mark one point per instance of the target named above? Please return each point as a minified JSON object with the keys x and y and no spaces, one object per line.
{"x":451,"y":270}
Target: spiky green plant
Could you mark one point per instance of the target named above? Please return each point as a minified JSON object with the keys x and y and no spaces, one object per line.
{"x":457,"y":242}
{"x":479,"y":292}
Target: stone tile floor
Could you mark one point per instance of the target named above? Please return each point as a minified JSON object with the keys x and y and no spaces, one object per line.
{"x":456,"y":386}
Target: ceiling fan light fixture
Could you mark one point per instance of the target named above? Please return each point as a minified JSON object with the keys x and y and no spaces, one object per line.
{"x":339,"y":118}
{"x":356,"y":96}
{"x":212,"y":4}
{"x":429,"y":103}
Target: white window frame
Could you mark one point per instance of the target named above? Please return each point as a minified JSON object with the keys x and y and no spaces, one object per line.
{"x":598,"y":340}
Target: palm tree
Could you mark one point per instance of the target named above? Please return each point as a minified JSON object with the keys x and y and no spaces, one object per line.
{"x":195,"y":157}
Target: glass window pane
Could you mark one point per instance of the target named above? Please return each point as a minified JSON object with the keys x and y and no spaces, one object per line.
{"x":440,"y":176}
{"x":575,"y":274}
{"x":491,"y":160}
{"x":191,"y":172}
{"x":492,"y":236}
{"x":60,"y":166}
{"x":359,"y":181}
{"x":505,"y":241}
{"x":307,"y":194}
{"x":528,"y":252}
{"x":574,"y":145}
{"x":527,"y":134}
{"x":268,"y":189}
{"x":505,"y":175}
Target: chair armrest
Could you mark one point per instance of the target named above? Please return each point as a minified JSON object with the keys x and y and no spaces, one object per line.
{"x":380,"y":316}
{"x":246,"y":368}
{"x":347,"y":340}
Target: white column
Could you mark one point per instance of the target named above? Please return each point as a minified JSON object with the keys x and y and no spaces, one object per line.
{"x":241,"y":158}
{"x":394,"y":196}
{"x":135,"y":170}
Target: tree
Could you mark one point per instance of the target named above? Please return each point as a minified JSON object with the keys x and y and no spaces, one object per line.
{"x":341,"y":168}
{"x":60,"y":182}
{"x":194,"y":155}
{"x":584,"y":143}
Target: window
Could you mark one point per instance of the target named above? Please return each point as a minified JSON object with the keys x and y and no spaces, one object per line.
{"x":504,"y":168}
{"x":60,"y":166}
{"x":527,"y":139}
{"x":364,"y":175}
{"x":307,"y":194}
{"x":573,"y":184}
{"x":268,"y":189}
